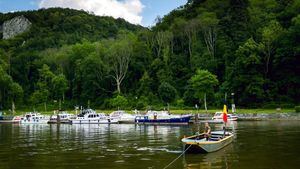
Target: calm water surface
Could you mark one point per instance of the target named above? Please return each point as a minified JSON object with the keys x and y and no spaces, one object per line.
{"x":274,"y":144}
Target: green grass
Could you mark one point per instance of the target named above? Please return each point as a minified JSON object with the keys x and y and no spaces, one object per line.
{"x":212,"y":111}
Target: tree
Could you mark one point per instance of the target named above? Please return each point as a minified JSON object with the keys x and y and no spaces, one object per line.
{"x":42,"y":92}
{"x":15,"y":92}
{"x":190,"y":31}
{"x":10,"y":91}
{"x":167,"y":92}
{"x":46,"y":75}
{"x":41,"y":95}
{"x":209,"y":23}
{"x":119,"y":57}
{"x":164,"y":44}
{"x":145,"y":85}
{"x":270,"y":36}
{"x":203,"y":83}
{"x":285,"y":73}
{"x":245,"y":79}
{"x":187,"y":31}
{"x":60,"y":86}
{"x":119,"y":102}
{"x":92,"y":71}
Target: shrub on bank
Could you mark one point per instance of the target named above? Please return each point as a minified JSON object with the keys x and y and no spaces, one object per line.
{"x":297,"y":109}
{"x":119,"y":102}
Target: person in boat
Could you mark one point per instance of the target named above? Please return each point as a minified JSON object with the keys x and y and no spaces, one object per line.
{"x":207,"y":131}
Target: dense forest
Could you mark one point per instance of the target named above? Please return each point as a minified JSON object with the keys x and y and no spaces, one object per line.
{"x":200,"y":51}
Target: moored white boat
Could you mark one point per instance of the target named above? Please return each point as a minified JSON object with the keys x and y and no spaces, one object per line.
{"x":122,"y":116}
{"x":62,"y":117}
{"x":219,"y":117}
{"x":89,"y":116}
{"x":34,"y":118}
{"x":10,"y":119}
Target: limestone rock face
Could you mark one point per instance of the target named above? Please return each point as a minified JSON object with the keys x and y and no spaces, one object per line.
{"x":15,"y":26}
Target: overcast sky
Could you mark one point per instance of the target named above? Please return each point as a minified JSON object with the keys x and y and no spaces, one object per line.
{"x":141,"y":12}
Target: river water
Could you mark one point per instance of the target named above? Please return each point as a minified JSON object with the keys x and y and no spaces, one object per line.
{"x":261,"y":145}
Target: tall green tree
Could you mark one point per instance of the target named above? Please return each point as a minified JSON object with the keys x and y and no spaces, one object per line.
{"x":245,"y":79}
{"x":10,"y":91}
{"x":270,"y":36}
{"x":43,"y":86}
{"x":120,"y":53}
{"x":209,"y":25}
{"x":203,"y":83}
{"x":60,"y":86}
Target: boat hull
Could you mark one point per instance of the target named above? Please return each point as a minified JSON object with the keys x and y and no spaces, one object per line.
{"x":130,"y":121}
{"x":98,"y":121}
{"x":43,"y":121}
{"x":59,"y":122}
{"x":182,"y":120}
{"x":9,"y":121}
{"x":229,"y":119}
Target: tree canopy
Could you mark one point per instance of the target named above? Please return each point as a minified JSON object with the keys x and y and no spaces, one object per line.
{"x":247,"y":47}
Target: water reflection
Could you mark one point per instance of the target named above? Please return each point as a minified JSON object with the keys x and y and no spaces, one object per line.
{"x":268,"y":144}
{"x":217,"y":159}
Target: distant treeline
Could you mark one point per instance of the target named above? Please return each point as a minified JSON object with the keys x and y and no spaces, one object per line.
{"x":198,"y":52}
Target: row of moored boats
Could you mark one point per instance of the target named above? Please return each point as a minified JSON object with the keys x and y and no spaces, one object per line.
{"x":89,"y":116}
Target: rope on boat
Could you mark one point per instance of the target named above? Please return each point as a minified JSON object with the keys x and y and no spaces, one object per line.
{"x":177,"y":157}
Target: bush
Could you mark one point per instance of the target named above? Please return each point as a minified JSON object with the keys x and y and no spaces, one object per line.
{"x":270,"y":105}
{"x":119,"y":102}
{"x":140,"y":105}
{"x":180,"y":103}
{"x":297,"y":109}
{"x":287,"y":105}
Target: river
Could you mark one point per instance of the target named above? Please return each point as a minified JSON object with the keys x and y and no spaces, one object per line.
{"x":261,"y":145}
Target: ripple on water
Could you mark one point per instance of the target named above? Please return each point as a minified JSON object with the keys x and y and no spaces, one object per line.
{"x":159,"y":149}
{"x":120,"y":161}
{"x":111,"y":150}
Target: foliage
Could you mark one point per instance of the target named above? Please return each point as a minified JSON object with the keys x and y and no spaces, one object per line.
{"x":297,"y":109}
{"x":247,"y":47}
{"x":203,"y":82}
{"x":119,"y":102}
{"x":60,"y":86}
{"x":167,"y":92}
{"x":245,"y":80}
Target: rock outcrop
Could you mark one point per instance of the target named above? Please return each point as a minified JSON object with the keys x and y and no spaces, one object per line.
{"x":15,"y":26}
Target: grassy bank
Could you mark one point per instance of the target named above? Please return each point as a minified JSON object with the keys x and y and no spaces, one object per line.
{"x":212,"y":111}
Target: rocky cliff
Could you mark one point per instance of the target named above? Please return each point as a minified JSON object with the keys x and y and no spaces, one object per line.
{"x":15,"y":26}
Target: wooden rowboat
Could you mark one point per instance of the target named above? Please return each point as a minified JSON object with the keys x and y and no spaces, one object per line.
{"x":199,"y":144}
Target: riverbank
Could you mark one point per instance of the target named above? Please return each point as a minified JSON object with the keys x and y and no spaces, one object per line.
{"x":258,"y":116}
{"x":243,"y":114}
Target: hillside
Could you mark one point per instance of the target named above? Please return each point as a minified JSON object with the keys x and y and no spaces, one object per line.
{"x":52,"y":28}
{"x":252,"y":46}
{"x":200,"y":51}
{"x":55,"y":27}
